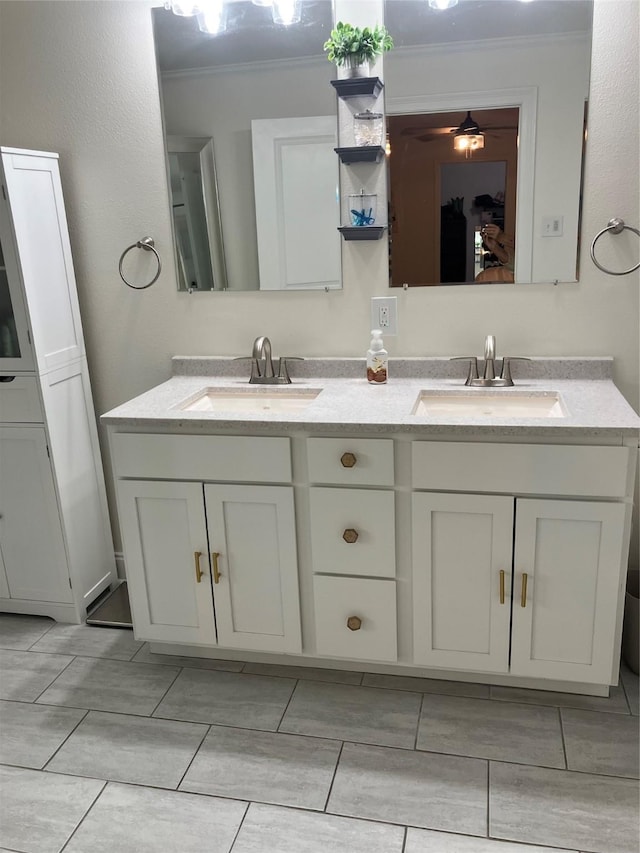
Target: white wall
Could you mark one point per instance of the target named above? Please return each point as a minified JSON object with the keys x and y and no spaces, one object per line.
{"x":79,"y":78}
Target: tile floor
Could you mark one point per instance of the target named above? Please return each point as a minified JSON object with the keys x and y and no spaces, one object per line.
{"x":106,"y":747}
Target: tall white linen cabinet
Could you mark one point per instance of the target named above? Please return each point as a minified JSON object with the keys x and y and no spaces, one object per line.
{"x":56,"y":551}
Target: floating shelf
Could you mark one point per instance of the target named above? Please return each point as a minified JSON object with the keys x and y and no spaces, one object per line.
{"x":362,"y":232}
{"x":354,"y":87}
{"x":360,"y":154}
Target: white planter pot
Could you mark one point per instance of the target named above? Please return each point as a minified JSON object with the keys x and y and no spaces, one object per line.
{"x":354,"y":68}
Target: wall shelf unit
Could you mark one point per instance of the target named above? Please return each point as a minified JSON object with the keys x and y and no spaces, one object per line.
{"x":355,"y":87}
{"x":360,"y":154}
{"x":362,"y":232}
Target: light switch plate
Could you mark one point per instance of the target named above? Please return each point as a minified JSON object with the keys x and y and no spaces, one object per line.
{"x":552,"y":226}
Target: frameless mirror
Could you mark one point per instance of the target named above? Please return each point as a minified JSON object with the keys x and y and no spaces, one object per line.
{"x":250,"y":127}
{"x":486,"y":108}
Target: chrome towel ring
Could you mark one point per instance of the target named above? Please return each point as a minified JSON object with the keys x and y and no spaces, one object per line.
{"x":148,"y":245}
{"x":615,"y":226}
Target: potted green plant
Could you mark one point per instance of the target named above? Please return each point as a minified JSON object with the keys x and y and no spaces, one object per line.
{"x":354,"y":48}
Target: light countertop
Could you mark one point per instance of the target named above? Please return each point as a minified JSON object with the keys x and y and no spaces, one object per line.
{"x":348,"y":403}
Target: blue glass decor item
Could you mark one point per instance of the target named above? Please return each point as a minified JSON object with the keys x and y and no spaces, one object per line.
{"x":362,"y":209}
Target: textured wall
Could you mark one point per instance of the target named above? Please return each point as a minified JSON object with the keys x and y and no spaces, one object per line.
{"x":79,"y":78}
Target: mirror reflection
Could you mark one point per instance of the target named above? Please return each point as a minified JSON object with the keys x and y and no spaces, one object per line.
{"x":258,"y":100}
{"x":489,"y":192}
{"x":485,"y":105}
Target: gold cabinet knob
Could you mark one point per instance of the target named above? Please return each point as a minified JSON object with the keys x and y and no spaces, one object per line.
{"x":348,"y":460}
{"x":350,"y":535}
{"x":354,"y":623}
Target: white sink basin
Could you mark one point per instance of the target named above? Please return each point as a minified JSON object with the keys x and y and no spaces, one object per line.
{"x":497,"y":404}
{"x":251,"y":401}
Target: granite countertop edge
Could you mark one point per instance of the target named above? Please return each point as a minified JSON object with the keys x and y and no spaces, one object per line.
{"x":348,"y":403}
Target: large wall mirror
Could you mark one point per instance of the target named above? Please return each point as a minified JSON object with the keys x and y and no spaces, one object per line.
{"x":486,"y":111}
{"x":250,"y":126}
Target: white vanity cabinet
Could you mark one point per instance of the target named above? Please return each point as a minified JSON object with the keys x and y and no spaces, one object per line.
{"x":506,"y":583}
{"x":210,"y":563}
{"x":55,"y":539}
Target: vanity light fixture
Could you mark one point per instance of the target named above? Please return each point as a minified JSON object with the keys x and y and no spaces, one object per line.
{"x":286,"y":12}
{"x":443,"y":4}
{"x":211,"y":14}
{"x":212,"y":18}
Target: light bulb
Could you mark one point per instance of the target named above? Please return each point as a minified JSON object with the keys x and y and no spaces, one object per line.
{"x":442,"y":4}
{"x":286,"y":12}
{"x":213,"y":17}
{"x":186,"y":8}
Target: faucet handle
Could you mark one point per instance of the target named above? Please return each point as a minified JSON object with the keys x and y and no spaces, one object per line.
{"x":473,"y":366}
{"x":283,"y":372}
{"x":505,"y":376}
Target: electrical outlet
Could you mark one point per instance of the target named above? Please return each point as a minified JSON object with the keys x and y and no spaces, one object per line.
{"x":384,"y":314}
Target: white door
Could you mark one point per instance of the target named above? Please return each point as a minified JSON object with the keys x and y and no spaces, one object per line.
{"x":31,"y":537}
{"x":295,"y":177}
{"x":253,"y":545}
{"x":569,"y":555}
{"x":462,"y":552}
{"x":166,"y":557}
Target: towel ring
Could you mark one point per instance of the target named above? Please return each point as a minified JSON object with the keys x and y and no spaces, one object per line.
{"x":148,"y":245}
{"x":616,"y":226}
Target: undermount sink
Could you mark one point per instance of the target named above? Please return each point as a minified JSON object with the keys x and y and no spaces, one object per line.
{"x":254,"y":400}
{"x":499,"y":404}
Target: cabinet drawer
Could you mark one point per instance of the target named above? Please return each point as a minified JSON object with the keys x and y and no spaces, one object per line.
{"x":240,"y":459}
{"x":20,"y":401}
{"x":353,"y":532}
{"x":520,"y":468}
{"x":356,"y":462}
{"x":371,"y":604}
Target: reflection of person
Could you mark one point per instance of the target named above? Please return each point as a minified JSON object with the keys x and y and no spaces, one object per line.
{"x":503,"y":249}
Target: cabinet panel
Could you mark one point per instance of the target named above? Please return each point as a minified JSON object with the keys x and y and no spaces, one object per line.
{"x":202,"y":457}
{"x":461,"y":544}
{"x":20,"y":401}
{"x":163,"y":528}
{"x":520,"y":468}
{"x":571,"y":552}
{"x":37,"y":210}
{"x":30,"y":532}
{"x":15,"y":349}
{"x":353,"y":532}
{"x":252,"y":529}
{"x":371,"y":465}
{"x":371,"y":602}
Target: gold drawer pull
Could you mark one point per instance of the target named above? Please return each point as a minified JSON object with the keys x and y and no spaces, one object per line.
{"x":501,"y":586}
{"x":199,"y":572}
{"x":523,"y":595}
{"x":348,"y":460}
{"x":354,"y":623}
{"x":216,"y":571}
{"x":350,"y":535}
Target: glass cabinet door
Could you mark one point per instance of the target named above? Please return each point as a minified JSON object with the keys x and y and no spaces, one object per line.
{"x":15,"y":350}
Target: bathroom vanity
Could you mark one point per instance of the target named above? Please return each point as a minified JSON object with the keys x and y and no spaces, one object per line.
{"x":420,"y":527}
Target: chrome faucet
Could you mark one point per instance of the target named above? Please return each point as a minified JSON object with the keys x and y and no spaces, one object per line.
{"x":262,"y":372}
{"x":489,"y":378}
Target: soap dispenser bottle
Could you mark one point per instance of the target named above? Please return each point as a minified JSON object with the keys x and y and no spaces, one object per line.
{"x":377,"y":359}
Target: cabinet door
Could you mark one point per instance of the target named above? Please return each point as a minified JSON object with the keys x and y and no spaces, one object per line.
{"x":462,"y":551}
{"x":15,"y":349}
{"x":165,"y":540}
{"x":31,"y":537}
{"x":252,"y":534}
{"x":571,"y":554}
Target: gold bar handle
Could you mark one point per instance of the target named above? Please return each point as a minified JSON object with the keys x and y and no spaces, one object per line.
{"x":199,"y":572}
{"x":523,"y":594}
{"x":501,"y":586}
{"x":216,"y":570}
